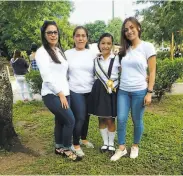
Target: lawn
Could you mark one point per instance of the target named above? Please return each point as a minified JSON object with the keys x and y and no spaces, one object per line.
{"x":180,"y":80}
{"x":160,"y":149}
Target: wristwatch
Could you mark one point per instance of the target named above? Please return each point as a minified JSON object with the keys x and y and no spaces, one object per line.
{"x":150,"y":91}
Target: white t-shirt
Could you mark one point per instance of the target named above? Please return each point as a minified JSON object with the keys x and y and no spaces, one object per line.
{"x":134,"y":67}
{"x":81,"y":70}
{"x":54,"y":75}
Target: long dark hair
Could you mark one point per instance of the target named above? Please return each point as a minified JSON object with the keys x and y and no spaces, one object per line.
{"x":86,"y":31}
{"x":125,"y":43}
{"x":17,"y":54}
{"x":102,"y":36}
{"x":46,"y":44}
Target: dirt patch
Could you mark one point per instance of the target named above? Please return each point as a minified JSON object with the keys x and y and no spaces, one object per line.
{"x":156,"y":110}
{"x":20,"y":155}
{"x":10,"y":163}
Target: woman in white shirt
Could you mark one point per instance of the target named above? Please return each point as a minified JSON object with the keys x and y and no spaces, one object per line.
{"x":81,"y":79}
{"x":134,"y":94}
{"x":53,"y":67}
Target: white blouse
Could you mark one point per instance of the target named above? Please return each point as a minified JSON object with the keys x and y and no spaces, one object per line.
{"x":54,"y":75}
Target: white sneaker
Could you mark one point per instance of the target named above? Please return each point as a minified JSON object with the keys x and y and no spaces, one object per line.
{"x":118,"y":154}
{"x":87,"y":145}
{"x":134,"y":152}
{"x":79,"y":152}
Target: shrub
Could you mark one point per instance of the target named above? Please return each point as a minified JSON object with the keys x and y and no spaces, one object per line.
{"x":168,"y":71}
{"x":34,"y":80}
{"x":161,"y":55}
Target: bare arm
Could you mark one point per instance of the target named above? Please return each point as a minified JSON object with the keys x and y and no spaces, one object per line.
{"x":152,"y":72}
{"x":152,"y":75}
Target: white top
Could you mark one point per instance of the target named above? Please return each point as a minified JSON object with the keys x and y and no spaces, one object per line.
{"x":81,"y":73}
{"x":54,"y":75}
{"x":134,"y":67}
{"x":105,"y":66}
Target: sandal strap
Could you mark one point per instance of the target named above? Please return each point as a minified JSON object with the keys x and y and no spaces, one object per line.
{"x":71,"y":154}
{"x":59,"y":150}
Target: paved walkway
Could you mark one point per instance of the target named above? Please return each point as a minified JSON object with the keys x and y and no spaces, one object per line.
{"x":177,"y":88}
{"x":16,"y":92}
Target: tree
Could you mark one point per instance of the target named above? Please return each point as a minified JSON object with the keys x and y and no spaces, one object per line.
{"x":162,"y":19}
{"x":95,"y":30}
{"x":114,"y":27}
{"x":20,"y":22}
{"x":7,"y":132}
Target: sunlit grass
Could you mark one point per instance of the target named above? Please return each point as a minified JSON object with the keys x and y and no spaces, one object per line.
{"x":160,"y":148}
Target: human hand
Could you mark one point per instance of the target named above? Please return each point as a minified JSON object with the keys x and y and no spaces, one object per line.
{"x":147,"y":99}
{"x":63,"y":100}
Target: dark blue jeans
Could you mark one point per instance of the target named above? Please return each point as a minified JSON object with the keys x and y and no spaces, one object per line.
{"x":80,"y":110}
{"x":64,"y":120}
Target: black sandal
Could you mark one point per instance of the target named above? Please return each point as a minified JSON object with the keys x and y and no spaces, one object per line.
{"x":59,"y":151}
{"x":104,"y":148}
{"x":71,"y":155}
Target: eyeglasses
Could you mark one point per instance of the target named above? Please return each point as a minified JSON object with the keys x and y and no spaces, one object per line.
{"x":51,"y":32}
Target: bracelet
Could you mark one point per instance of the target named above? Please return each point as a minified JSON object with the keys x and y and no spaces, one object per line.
{"x":150,"y":91}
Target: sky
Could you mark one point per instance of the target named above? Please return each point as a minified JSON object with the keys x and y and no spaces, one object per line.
{"x":87,"y":11}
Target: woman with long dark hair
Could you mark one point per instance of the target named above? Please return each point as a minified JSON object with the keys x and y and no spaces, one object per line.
{"x":53,"y":67}
{"x":20,"y":68}
{"x":134,"y":93}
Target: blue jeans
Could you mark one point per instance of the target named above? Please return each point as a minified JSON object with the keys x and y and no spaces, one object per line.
{"x":80,"y":110}
{"x":127,"y":101}
{"x":64,"y":120}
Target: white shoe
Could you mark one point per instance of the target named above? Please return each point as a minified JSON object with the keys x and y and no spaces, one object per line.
{"x":87,"y":145}
{"x":118,"y":154}
{"x":134,"y":152}
{"x":79,"y":152}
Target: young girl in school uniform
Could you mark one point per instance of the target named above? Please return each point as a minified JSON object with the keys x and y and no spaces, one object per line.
{"x":102,"y":102}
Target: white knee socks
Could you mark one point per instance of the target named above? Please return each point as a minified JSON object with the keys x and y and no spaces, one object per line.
{"x":104,"y":134}
{"x":107,"y":136}
{"x":111,"y":136}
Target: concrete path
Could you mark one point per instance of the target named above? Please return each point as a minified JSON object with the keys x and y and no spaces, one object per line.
{"x":177,"y":88}
{"x":16,"y":92}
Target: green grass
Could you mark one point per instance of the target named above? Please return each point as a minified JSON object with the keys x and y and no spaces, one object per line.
{"x":180,"y":80}
{"x":160,"y":148}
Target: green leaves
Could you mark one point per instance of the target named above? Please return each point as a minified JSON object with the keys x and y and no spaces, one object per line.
{"x":35,"y":81}
{"x":20,"y":22}
{"x":99,"y":27}
{"x":167,"y":73}
{"x":114,"y":27}
{"x":161,"y":19}
{"x":95,"y":30}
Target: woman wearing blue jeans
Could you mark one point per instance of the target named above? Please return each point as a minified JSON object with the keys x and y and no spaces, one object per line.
{"x":81,"y":79}
{"x":53,"y":68}
{"x":134,"y":94}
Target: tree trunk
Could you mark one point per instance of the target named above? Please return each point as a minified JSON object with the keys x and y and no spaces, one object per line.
{"x":7,"y":132}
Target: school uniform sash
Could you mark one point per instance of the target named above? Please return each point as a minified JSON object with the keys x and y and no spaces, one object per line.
{"x":109,"y":84}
